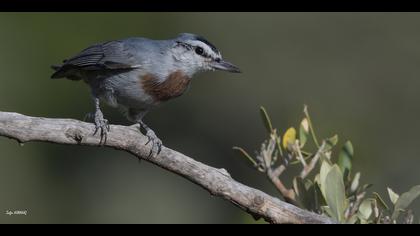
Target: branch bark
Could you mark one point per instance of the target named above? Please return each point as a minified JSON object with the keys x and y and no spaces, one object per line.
{"x":127,"y":138}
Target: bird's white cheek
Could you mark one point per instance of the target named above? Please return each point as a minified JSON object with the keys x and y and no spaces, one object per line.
{"x":207,"y":66}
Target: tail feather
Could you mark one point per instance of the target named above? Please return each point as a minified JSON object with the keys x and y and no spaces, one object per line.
{"x":58,"y":72}
{"x":64,"y":72}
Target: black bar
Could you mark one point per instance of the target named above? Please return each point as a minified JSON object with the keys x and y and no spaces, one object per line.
{"x":207,"y":5}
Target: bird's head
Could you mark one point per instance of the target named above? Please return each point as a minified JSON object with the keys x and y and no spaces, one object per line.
{"x":193,"y":53}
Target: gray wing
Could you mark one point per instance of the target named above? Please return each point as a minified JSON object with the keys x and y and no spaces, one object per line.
{"x":113,"y":55}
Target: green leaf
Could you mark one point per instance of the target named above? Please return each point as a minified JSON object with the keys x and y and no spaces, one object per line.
{"x":311,"y":128}
{"x":380,"y":201}
{"x":278,"y":143}
{"x":393,"y":196}
{"x":289,"y":137}
{"x":303,"y":131}
{"x":325,"y":168}
{"x":405,"y":200}
{"x":266,"y":119}
{"x":335,"y":193}
{"x":246,"y":155}
{"x":345,"y":157}
{"x":355,"y":183}
{"x":327,"y":210}
{"x":308,"y":183}
{"x":317,"y":200}
{"x":317,"y":179}
{"x":365,"y":210}
{"x":346,"y":177}
{"x":331,"y":142}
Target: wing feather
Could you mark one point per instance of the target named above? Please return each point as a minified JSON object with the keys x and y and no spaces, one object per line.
{"x":111,"y":55}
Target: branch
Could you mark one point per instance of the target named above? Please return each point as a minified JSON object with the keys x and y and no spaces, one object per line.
{"x":127,"y":138}
{"x":274,"y":176}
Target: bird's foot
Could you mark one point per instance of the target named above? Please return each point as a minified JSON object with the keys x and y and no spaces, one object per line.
{"x":153,"y":139}
{"x":100,"y":124}
{"x":156,"y":143}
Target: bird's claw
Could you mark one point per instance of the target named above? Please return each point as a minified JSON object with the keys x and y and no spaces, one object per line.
{"x":156,"y":143}
{"x":103,"y":125}
{"x":156,"y":147}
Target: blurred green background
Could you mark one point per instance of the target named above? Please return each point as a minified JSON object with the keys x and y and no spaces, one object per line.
{"x":357,"y":72}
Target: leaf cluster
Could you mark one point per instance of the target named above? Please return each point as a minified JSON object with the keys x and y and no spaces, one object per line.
{"x":326,"y":183}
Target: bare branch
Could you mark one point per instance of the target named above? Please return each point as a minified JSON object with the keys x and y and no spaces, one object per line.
{"x":307,"y":169}
{"x":217,"y":181}
{"x":288,"y":194}
{"x":279,"y":170}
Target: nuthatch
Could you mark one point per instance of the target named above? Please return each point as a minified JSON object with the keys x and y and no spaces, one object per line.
{"x":137,"y":74}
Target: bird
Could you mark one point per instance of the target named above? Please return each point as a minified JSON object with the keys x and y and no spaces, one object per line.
{"x":137,"y":74}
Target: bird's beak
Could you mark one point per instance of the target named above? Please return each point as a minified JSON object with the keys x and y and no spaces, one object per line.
{"x":225,"y":66}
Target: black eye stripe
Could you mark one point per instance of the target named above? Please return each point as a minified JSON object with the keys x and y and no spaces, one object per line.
{"x":201,"y":52}
{"x":203,"y":40}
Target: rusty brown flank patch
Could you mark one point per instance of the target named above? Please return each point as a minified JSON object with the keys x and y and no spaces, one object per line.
{"x":174,"y":86}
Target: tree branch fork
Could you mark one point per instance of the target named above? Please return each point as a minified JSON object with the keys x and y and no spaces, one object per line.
{"x":217,"y":182}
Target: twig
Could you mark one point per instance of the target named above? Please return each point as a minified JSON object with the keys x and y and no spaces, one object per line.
{"x":279,"y":170}
{"x":307,"y":169}
{"x":296,"y":147}
{"x":288,"y":194}
{"x":217,"y":181}
{"x":305,"y":110}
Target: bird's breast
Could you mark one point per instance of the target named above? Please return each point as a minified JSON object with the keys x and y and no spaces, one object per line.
{"x":173,"y":86}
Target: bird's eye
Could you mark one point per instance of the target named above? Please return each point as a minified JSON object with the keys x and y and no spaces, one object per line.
{"x":199,"y":50}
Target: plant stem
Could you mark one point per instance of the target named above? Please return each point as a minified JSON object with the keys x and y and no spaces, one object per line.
{"x":305,"y":110}
{"x":244,"y":153}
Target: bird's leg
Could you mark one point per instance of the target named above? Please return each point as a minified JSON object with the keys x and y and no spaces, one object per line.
{"x":136,"y":115}
{"x":100,"y":122}
{"x":150,"y":134}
